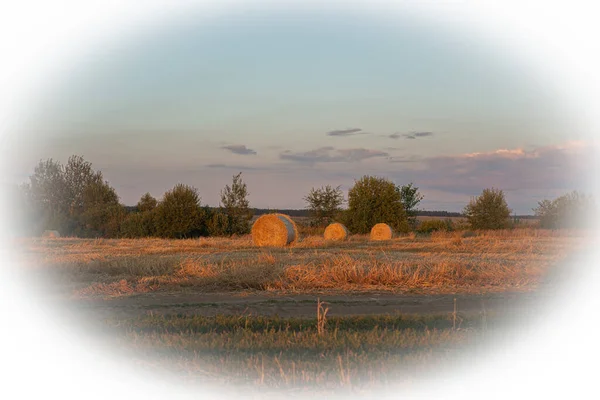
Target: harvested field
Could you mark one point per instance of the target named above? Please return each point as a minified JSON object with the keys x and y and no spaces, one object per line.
{"x":226,"y":312}
{"x":441,"y":263}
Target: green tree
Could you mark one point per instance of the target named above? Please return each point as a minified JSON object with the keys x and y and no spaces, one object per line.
{"x":411,"y":197}
{"x":179,"y":214}
{"x":571,"y":210}
{"x":488,"y":211}
{"x":218,"y":223}
{"x":324,"y":204}
{"x":78,"y":175}
{"x":133,"y":226}
{"x":71,"y":199}
{"x":375,"y":200}
{"x":47,"y":195}
{"x":234,"y":214}
{"x":141,"y":222}
{"x":101,"y":214}
{"x":146,"y":203}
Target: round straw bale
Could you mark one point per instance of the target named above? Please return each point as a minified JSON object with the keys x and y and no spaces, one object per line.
{"x":336,"y":231}
{"x":276,"y":230}
{"x":51,"y":234}
{"x":382,"y":232}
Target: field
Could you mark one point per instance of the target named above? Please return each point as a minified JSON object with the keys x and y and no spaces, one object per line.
{"x":220,"y":310}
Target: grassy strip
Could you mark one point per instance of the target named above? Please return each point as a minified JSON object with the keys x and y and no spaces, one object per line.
{"x":291,"y":353}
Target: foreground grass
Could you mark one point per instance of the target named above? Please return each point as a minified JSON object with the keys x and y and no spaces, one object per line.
{"x":443,"y":262}
{"x":280,"y":353}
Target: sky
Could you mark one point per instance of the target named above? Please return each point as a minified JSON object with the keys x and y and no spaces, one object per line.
{"x":296,"y":100}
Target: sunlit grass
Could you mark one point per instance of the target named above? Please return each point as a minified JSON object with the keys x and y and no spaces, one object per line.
{"x":442,"y":262}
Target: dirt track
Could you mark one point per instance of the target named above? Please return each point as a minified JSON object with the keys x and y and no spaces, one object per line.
{"x":305,"y":305}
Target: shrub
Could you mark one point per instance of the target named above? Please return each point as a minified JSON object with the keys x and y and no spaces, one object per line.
{"x":132,"y":226}
{"x":567,"y":211}
{"x":488,"y":211}
{"x":433,"y":225}
{"x":218,"y":224}
{"x":372,"y":201}
{"x":179,"y":214}
{"x":324,"y":205}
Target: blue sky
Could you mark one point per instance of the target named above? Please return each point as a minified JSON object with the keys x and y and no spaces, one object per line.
{"x":300,"y":100}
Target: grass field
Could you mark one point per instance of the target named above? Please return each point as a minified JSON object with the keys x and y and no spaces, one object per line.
{"x":443,"y":262}
{"x":222,"y":310}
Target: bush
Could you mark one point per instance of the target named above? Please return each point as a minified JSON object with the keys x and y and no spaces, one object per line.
{"x":434,"y":225}
{"x":488,"y":211}
{"x":375,"y":200}
{"x":324,"y":205}
{"x":567,"y":211}
{"x":218,"y":224}
{"x":179,"y":215}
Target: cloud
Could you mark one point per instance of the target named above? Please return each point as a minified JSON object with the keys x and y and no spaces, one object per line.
{"x":410,"y":136}
{"x":346,"y":132}
{"x":329,"y":154}
{"x":422,"y":134}
{"x":237,"y":167}
{"x":353,"y":155}
{"x":403,"y":159}
{"x":560,"y":167}
{"x":239,"y":149}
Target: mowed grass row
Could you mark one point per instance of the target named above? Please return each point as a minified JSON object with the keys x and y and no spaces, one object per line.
{"x":291,"y":353}
{"x":442,"y":262}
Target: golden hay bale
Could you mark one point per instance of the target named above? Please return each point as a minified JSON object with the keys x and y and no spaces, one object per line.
{"x":51,"y":234}
{"x":275,"y":230}
{"x":382,"y":232}
{"x":336,"y":231}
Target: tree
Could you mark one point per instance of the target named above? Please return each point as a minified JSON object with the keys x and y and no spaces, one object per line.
{"x":234,"y":213}
{"x":324,"y":204}
{"x":47,"y":195}
{"x":101,"y":214}
{"x":411,"y":197}
{"x":146,"y":203}
{"x":375,"y":200}
{"x":179,"y":214}
{"x":488,"y":211}
{"x":78,"y":175}
{"x":570,"y":210}
{"x":71,"y":199}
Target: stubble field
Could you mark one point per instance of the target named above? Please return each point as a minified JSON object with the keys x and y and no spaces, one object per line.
{"x":223,"y":311}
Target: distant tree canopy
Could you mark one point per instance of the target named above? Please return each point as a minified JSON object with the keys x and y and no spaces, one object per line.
{"x":488,"y":211}
{"x":73,"y":199}
{"x":571,"y":210}
{"x":374,"y":200}
{"x":324,"y":204}
{"x":146,"y":203}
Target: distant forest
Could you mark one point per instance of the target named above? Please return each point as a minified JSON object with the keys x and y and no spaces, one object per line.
{"x":305,"y":213}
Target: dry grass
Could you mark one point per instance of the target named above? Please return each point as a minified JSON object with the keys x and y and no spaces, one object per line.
{"x":444,"y":262}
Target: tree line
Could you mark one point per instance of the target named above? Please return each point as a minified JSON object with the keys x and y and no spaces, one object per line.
{"x":76,"y":200}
